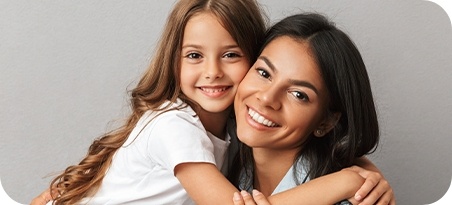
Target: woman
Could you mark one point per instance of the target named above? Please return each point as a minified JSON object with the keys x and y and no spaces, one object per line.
{"x":304,"y":110}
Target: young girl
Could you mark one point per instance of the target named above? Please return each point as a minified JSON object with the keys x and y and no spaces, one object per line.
{"x":179,"y":110}
{"x":176,"y":136}
{"x":305,"y":109}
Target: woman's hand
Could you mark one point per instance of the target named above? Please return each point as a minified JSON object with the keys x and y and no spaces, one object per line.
{"x":244,"y":198}
{"x":375,"y":190}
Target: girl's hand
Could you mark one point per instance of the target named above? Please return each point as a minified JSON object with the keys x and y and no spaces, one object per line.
{"x":244,"y":198}
{"x":375,"y":190}
{"x":42,"y":198}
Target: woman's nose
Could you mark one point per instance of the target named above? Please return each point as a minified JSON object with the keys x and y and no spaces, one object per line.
{"x":270,"y":97}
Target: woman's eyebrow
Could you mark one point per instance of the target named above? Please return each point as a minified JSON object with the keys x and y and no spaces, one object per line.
{"x":269,"y":64}
{"x":292,"y":81}
{"x":304,"y":84}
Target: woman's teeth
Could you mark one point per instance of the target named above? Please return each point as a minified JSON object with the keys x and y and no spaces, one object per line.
{"x":260,"y":119}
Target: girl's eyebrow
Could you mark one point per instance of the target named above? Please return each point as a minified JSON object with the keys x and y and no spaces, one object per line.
{"x":199,"y":46}
{"x":191,"y":46}
{"x":292,"y":81}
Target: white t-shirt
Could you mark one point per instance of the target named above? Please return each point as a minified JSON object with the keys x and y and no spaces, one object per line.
{"x":142,"y":170}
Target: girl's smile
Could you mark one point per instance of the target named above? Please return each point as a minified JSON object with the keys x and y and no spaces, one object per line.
{"x":215,"y":91}
{"x":212,"y":64}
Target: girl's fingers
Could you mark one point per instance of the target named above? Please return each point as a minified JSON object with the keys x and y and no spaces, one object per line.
{"x":244,"y":198}
{"x":259,"y":198}
{"x":375,"y":185}
{"x":237,"y":199}
{"x":42,"y":199}
{"x":387,"y":198}
{"x":382,"y":194}
{"x":247,"y":198}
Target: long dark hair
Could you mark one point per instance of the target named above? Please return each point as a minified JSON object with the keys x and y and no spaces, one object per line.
{"x":344,"y":73}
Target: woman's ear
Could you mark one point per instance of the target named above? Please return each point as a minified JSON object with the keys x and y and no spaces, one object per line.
{"x":328,"y":124}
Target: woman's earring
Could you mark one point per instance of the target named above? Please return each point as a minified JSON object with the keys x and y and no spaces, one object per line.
{"x":319,"y":133}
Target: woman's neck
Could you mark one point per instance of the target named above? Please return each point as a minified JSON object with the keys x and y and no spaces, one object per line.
{"x":215,"y":123}
{"x":270,"y":168}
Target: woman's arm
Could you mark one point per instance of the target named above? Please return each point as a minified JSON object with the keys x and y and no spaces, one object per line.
{"x":206,"y":185}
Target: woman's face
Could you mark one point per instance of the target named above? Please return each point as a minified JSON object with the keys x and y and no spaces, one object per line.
{"x":282,"y":98}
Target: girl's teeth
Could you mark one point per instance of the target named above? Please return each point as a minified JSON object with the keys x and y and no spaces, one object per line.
{"x":209,"y":90}
{"x":260,"y":119}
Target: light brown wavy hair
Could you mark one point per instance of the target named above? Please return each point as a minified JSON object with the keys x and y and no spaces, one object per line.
{"x":245,"y":22}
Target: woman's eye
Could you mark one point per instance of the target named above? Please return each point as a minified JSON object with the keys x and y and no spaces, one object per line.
{"x":300,"y":95}
{"x":193,"y":56}
{"x":263,"y":73}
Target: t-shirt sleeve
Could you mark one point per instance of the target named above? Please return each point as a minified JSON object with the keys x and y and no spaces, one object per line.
{"x":176,"y":137}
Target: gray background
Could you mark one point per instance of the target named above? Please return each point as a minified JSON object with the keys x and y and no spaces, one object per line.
{"x":66,"y":67}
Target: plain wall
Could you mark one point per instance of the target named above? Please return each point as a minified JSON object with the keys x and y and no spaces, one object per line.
{"x":66,"y":66}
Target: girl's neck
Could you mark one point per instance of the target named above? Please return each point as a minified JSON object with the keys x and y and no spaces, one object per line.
{"x":214,"y":122}
{"x":270,"y":168}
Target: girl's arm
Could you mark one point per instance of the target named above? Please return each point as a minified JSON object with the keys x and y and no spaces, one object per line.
{"x":206,"y":185}
{"x":44,"y":198}
{"x":376,"y":187}
{"x":328,"y":189}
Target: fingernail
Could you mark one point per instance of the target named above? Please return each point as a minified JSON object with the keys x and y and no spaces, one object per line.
{"x":256,"y":192}
{"x":237,"y":196}
{"x":244,"y":193}
{"x":358,"y":197}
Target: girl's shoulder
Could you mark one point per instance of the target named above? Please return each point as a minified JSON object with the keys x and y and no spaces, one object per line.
{"x":167,"y":109}
{"x":172,"y":122}
{"x":171,"y":115}
{"x":174,"y":111}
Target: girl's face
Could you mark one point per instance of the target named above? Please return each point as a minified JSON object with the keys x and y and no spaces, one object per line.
{"x":282,"y":98}
{"x":212,"y":63}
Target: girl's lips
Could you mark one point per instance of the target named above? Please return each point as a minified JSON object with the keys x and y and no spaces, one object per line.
{"x":217,"y":91}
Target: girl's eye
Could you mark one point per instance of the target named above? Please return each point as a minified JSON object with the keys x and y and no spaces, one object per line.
{"x":300,"y":95}
{"x":193,"y":56}
{"x":231,"y":55}
{"x":263,"y":73}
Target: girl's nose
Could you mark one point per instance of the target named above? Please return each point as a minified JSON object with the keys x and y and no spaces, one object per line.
{"x":213,"y":70}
